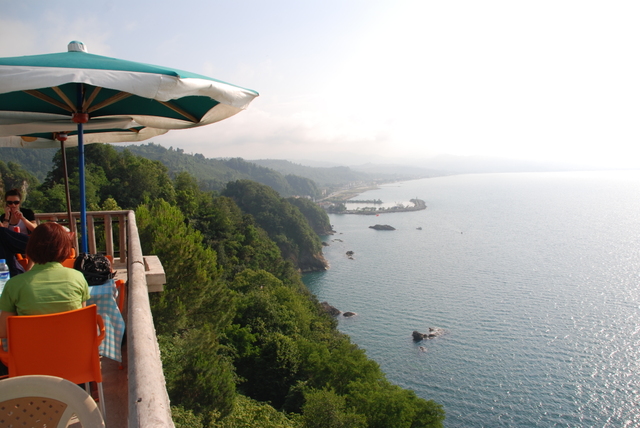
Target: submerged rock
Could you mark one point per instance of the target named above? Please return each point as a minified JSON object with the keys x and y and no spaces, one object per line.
{"x":349,"y":314}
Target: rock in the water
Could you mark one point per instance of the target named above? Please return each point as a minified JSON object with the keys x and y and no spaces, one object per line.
{"x":325,"y":244}
{"x":349,"y":253}
{"x":330,"y":309}
{"x":349,"y":314}
{"x":417,"y":336}
{"x":382,"y":227}
{"x":433,"y":332}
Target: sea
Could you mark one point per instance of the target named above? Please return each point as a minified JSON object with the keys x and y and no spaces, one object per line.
{"x":533,"y":277}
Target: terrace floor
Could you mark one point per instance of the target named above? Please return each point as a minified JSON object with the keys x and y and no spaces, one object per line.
{"x":115,"y":377}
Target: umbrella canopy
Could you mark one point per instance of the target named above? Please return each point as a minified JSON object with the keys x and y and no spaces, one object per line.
{"x":96,"y":99}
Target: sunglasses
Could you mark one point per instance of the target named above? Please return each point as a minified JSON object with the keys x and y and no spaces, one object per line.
{"x":12,"y":202}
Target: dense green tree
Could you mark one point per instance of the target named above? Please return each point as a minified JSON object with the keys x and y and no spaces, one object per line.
{"x":302,"y":186}
{"x":326,"y":409}
{"x":136,"y":179}
{"x":389,"y":406}
{"x":248,"y":413}
{"x":193,"y":294}
{"x":14,"y":176}
{"x":284,"y":223}
{"x":316,"y":216}
{"x":124,"y":177}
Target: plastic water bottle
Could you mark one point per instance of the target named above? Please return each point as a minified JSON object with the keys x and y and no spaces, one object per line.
{"x":4,"y":274}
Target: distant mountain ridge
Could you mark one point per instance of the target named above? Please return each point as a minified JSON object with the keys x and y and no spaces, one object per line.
{"x":214,"y":174}
{"x":37,"y":161}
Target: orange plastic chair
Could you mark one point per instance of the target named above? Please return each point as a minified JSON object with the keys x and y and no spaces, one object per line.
{"x":69,"y":262}
{"x":63,"y":345}
{"x":24,"y":261}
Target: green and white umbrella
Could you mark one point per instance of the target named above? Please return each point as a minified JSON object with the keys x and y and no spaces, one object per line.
{"x":76,"y":98}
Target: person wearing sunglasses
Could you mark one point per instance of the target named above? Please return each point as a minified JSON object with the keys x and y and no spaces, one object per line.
{"x":16,"y":216}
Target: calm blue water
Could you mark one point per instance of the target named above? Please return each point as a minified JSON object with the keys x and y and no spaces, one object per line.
{"x":535,"y":278}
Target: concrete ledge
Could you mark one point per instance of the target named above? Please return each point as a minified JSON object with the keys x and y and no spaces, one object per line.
{"x":154,"y":272}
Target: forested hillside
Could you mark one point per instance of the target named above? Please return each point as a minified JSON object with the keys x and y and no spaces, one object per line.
{"x":243,"y":342}
{"x":213,"y":174}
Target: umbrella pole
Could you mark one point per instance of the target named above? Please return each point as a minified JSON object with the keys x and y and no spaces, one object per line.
{"x":72,"y":224}
{"x":83,"y":199}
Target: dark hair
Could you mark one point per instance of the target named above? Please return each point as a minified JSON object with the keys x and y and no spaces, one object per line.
{"x":49,"y":242}
{"x":13,"y":192}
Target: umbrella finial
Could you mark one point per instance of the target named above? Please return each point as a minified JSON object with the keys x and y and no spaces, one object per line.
{"x":76,"y":46}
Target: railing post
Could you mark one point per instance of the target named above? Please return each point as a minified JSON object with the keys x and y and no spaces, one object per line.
{"x":91,"y":233}
{"x":124,"y":245}
{"x":108,"y":234}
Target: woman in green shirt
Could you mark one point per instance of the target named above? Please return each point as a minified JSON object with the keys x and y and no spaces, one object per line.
{"x":48,"y":287}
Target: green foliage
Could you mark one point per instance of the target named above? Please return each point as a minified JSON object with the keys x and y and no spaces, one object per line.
{"x":284,"y":223}
{"x":37,"y":162}
{"x":248,"y":413}
{"x":212,"y":174}
{"x":326,"y":409}
{"x":199,"y":376}
{"x":193,"y":292}
{"x":260,"y":174}
{"x":389,"y":406}
{"x":302,"y":186}
{"x":14,"y":176}
{"x":316,"y":216}
{"x":238,"y":241}
{"x":183,"y":418}
{"x":127,"y":179}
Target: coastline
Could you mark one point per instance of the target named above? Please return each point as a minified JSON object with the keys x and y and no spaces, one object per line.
{"x":345,"y":194}
{"x":339,"y":197}
{"x":418,"y":205}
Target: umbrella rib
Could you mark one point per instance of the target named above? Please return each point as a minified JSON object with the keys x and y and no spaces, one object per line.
{"x":114,"y":99}
{"x":64,"y":97}
{"x":48,"y":99}
{"x":92,"y":97}
{"x":179,"y":111}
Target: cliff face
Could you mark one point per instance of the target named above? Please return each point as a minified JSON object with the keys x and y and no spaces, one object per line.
{"x":312,"y":263}
{"x":283,"y":221}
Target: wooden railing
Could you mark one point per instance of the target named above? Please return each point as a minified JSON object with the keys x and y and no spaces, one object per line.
{"x":115,"y":233}
{"x":110,"y":243}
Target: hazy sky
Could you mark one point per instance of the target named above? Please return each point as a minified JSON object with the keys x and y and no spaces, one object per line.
{"x":383,"y":81}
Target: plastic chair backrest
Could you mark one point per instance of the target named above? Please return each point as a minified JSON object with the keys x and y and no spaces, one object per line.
{"x":68,"y":262}
{"x":63,"y":345}
{"x":39,"y":401}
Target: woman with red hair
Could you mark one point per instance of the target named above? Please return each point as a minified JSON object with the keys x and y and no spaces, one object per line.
{"x":48,"y":287}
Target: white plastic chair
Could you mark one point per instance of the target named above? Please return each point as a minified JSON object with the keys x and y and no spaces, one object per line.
{"x":45,"y":401}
